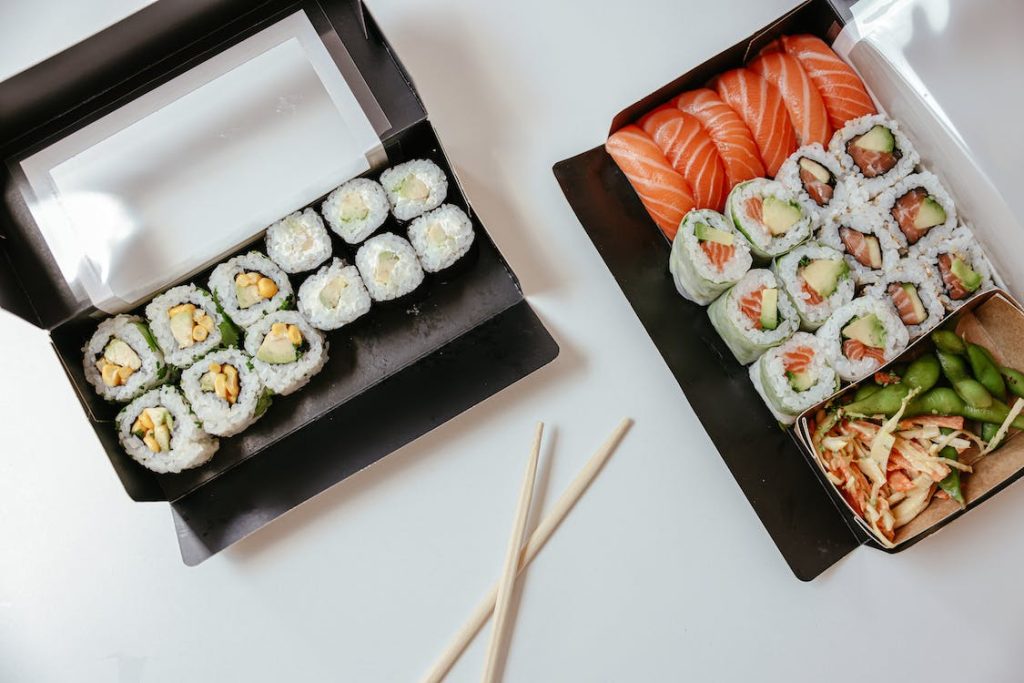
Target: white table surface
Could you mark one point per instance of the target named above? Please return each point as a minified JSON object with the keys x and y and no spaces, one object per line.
{"x":661,"y":573}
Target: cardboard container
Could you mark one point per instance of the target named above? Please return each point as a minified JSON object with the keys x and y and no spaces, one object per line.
{"x":398,"y":372}
{"x":810,"y":524}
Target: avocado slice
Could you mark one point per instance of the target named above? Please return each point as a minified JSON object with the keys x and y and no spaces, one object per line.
{"x":247,"y":295}
{"x":874,"y":251}
{"x":181,"y":328}
{"x":277,"y":350}
{"x":969,"y":278}
{"x":822,"y":275}
{"x":206,"y":382}
{"x":163,"y":436}
{"x":800,"y":381}
{"x":769,"y":308}
{"x":331,"y":293}
{"x":878,"y":139}
{"x":868,"y":330}
{"x":119,"y":353}
{"x":386,"y":262}
{"x":929,"y":214}
{"x":820,"y":173}
{"x":413,"y":188}
{"x":706,"y":233}
{"x":780,"y":215}
{"x":353,"y":208}
{"x":919,"y":314}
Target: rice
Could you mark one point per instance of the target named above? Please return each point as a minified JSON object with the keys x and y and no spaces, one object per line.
{"x":696,"y":277}
{"x":414,"y":187}
{"x":356,"y":209}
{"x":831,"y":336}
{"x":221,"y":411}
{"x":143,"y":362}
{"x":223,"y":284}
{"x":921,"y":275}
{"x":333,"y":296}
{"x":866,"y":220}
{"x":298,"y":242}
{"x":778,"y":387}
{"x":741,"y":334}
{"x":181,"y":344}
{"x":190,"y":446}
{"x":441,"y":237}
{"x":907,"y":157}
{"x":887,"y":200}
{"x":790,"y":177}
{"x":763,"y":193}
{"x":285,"y":374}
{"x":960,"y":244}
{"x":389,"y":267}
{"x":789,"y":270}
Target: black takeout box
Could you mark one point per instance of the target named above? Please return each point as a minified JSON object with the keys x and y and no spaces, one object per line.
{"x":809,"y":522}
{"x":395,"y":374}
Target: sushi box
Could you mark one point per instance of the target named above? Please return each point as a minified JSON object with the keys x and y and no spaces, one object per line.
{"x":144,"y":155}
{"x":915,"y":81}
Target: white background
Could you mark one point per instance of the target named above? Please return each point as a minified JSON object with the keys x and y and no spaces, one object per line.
{"x":661,"y":573}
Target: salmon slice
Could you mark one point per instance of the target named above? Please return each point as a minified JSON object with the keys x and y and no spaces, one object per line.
{"x":840,"y":87}
{"x":801,"y":97}
{"x":750,"y":306}
{"x":718,"y":254}
{"x":857,"y":350}
{"x":732,"y":138}
{"x":664,"y":193}
{"x":761,"y":107}
{"x":905,"y":212}
{"x":754,"y":206}
{"x":691,"y":152}
{"x":904,"y":306}
{"x":870,"y":162}
{"x":813,"y":298}
{"x":954,"y":287}
{"x":856,"y":244}
{"x":798,"y":359}
{"x":820,"y":192}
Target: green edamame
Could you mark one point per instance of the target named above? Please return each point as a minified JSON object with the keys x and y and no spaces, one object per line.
{"x":945,"y":401}
{"x":1014,"y":380}
{"x":948,"y":342}
{"x":951,"y":484}
{"x":973,"y":392}
{"x":865,"y":390}
{"x":885,"y":401}
{"x":985,"y":371}
{"x":923,"y":372}
{"x":988,"y":431}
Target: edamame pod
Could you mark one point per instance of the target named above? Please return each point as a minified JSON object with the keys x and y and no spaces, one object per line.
{"x":865,"y":390}
{"x":969,"y":389}
{"x":988,"y":431}
{"x":951,"y":484}
{"x":985,"y":371}
{"x":1014,"y":380}
{"x":922,"y":373}
{"x":885,"y":401}
{"x":948,"y":342}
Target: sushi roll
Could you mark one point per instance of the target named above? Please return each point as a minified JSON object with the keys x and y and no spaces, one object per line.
{"x":159,"y":431}
{"x":817,"y":280}
{"x":769,"y":216}
{"x":862,"y":336}
{"x":813,"y":175}
{"x":122,"y":359}
{"x":389,"y":267}
{"x":286,"y":351}
{"x":752,"y":317}
{"x":866,"y":239}
{"x":874,"y":151}
{"x":914,"y":292}
{"x":958,"y":267}
{"x":920,"y":209}
{"x":708,"y":256}
{"x":794,"y":376}
{"x":188,"y":324}
{"x":356,"y":209}
{"x":333,"y":296}
{"x":441,"y":237}
{"x":298,"y":242}
{"x":249,"y":287}
{"x":225,"y":392}
{"x":414,"y":187}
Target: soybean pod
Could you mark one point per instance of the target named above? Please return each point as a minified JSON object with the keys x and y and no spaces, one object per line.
{"x":1014,"y":380}
{"x":973,"y":392}
{"x":951,"y":484}
{"x":948,"y":342}
{"x":985,"y":371}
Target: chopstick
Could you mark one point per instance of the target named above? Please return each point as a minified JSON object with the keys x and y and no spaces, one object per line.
{"x":537,"y":540}
{"x":506,"y":584}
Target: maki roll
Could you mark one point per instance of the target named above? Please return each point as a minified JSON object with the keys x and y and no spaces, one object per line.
{"x":389,"y":267}
{"x":958,"y":266}
{"x":356,"y":209}
{"x":441,"y":237}
{"x":813,"y":175}
{"x":298,"y":242}
{"x":187,"y":324}
{"x":913,"y":290}
{"x":225,"y":392}
{"x":333,"y":296}
{"x":414,"y":187}
{"x":249,"y":287}
{"x":122,"y":359}
{"x":286,"y":351}
{"x":769,"y":216}
{"x":752,"y":317}
{"x":817,"y":280}
{"x":794,"y":376}
{"x":920,"y":208}
{"x":708,"y":256}
{"x":866,"y":239}
{"x":862,"y":336}
{"x":874,"y":151}
{"x":159,"y":431}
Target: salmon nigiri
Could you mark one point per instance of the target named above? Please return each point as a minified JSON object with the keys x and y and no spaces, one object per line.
{"x":664,"y":193}
{"x":800,"y":95}
{"x":760,"y":106}
{"x":732,"y":138}
{"x":691,"y":152}
{"x":841,"y":88}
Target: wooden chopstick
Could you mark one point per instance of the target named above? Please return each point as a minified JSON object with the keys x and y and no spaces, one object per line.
{"x":537,"y":540}
{"x":506,"y":585}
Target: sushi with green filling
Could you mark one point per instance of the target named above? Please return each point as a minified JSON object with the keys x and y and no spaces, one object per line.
{"x":225,"y":392}
{"x":753,"y":316}
{"x":356,"y":209}
{"x":187,"y":324}
{"x":769,"y":216}
{"x":160,"y":432}
{"x":794,"y":376}
{"x":919,"y":207}
{"x":286,"y":351}
{"x":334,"y":296}
{"x":298,"y":242}
{"x":414,"y":187}
{"x":862,"y":336}
{"x":817,"y":280}
{"x":867,"y":240}
{"x":874,"y":152}
{"x":250,"y":286}
{"x":122,"y":359}
{"x":914,"y":291}
{"x":708,"y":256}
{"x":389,"y":267}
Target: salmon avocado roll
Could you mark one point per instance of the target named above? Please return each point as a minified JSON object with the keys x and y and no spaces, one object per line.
{"x":958,"y":267}
{"x":769,"y":216}
{"x":862,"y":336}
{"x":708,"y":256}
{"x":913,"y":291}
{"x":874,"y":151}
{"x":813,"y":175}
{"x":753,"y":316}
{"x":920,"y":209}
{"x":794,"y":376}
{"x":866,"y":240}
{"x":817,"y":280}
